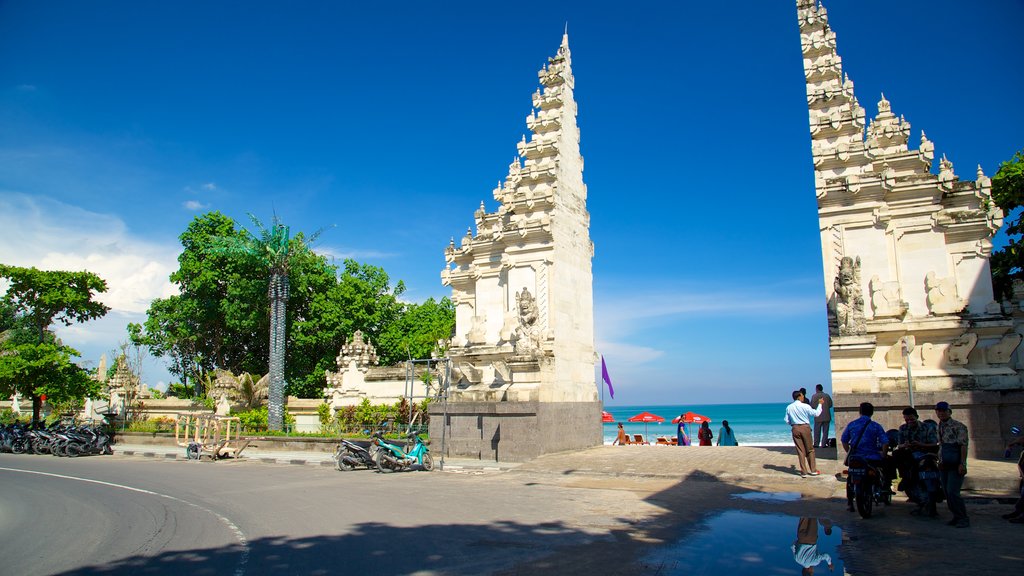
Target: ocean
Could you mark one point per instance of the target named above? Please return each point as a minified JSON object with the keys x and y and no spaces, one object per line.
{"x":753,"y":424}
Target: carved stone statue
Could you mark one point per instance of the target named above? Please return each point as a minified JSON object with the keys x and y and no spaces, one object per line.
{"x":1002,"y":351}
{"x":849,"y":299}
{"x":885,"y":299}
{"x":527,"y":337}
{"x":942,"y":296}
{"x":961,"y":348}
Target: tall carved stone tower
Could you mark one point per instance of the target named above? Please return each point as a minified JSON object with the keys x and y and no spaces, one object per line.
{"x":523,"y":348}
{"x":905,"y":254}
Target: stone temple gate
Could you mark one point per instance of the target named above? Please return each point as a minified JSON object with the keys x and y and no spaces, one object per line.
{"x":906,"y":261}
{"x":523,"y":348}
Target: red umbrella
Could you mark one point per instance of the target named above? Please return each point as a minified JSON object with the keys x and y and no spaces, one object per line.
{"x":646,"y":418}
{"x":691,"y":418}
{"x":606,"y":417}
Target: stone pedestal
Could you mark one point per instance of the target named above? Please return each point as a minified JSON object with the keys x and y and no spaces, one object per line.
{"x":513,"y":431}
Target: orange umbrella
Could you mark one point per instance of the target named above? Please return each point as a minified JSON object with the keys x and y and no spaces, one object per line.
{"x":606,"y":417}
{"x":646,"y":418}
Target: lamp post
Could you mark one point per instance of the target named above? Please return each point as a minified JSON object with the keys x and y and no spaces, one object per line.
{"x":907,"y":346}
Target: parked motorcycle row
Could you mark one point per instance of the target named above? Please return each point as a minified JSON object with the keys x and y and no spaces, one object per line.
{"x":59,"y":440}
{"x":384,"y":456}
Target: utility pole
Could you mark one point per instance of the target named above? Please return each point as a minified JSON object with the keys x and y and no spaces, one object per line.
{"x":907,"y":346}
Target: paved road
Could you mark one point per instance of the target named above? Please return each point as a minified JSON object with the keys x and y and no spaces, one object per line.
{"x":605,"y":511}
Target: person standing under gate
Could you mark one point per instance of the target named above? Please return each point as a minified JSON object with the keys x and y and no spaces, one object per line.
{"x":799,"y":416}
{"x":823,"y":422}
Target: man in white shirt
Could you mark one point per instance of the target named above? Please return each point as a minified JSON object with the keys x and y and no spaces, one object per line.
{"x":799,"y":417}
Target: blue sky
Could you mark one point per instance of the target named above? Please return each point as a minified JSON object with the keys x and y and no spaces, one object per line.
{"x":392,"y":121}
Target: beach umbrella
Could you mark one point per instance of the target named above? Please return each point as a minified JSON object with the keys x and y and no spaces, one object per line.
{"x":646,"y":418}
{"x":606,"y":417}
{"x":691,"y":418}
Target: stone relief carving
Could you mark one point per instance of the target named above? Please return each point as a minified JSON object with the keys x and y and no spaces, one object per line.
{"x":849,"y":305}
{"x":961,"y":348}
{"x":527,"y":334}
{"x":477,"y":330}
{"x":885,"y":299}
{"x":1000,"y":352}
{"x":942,"y":297}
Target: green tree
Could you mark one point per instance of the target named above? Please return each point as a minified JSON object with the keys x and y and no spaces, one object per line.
{"x":41,"y":298}
{"x":416,"y":332}
{"x":1008,"y":193}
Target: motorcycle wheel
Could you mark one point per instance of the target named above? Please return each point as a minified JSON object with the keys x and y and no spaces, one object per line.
{"x":107,"y":450}
{"x":344,"y":461}
{"x":74,"y":450}
{"x":384,"y":464}
{"x":192,"y":452}
{"x":19,"y":447}
{"x":59,"y":449}
{"x":428,"y":462}
{"x":864,"y":501}
{"x":40,"y":447}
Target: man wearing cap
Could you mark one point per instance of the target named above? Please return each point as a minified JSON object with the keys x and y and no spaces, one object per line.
{"x":952,"y":462}
{"x":799,"y":417}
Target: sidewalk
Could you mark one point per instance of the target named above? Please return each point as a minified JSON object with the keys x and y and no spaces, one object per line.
{"x":986,"y":478}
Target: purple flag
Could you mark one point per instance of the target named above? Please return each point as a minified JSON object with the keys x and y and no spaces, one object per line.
{"x":606,"y":378}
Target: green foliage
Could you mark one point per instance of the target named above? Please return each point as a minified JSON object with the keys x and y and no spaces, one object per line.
{"x":255,"y":420}
{"x":157,"y":395}
{"x":47,"y":296}
{"x":1008,"y":193}
{"x":34,"y":369}
{"x":152,"y":425}
{"x":415,"y":332}
{"x":327,"y":423}
{"x":32,"y":361}
{"x":219,"y":318}
{"x":7,"y":416}
{"x":179,"y":390}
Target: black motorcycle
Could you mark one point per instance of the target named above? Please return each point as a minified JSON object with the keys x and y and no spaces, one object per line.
{"x":868,"y":486}
{"x":348,"y":455}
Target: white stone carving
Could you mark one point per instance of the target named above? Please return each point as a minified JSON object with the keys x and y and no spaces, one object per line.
{"x":1001,"y":352}
{"x":942,"y":296}
{"x":849,"y":308}
{"x":961,"y":348}
{"x":885,"y":299}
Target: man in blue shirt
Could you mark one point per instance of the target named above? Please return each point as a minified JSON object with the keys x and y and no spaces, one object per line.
{"x":799,"y":416}
{"x":864,"y":439}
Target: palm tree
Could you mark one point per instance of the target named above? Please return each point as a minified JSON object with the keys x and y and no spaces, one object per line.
{"x":274,"y":249}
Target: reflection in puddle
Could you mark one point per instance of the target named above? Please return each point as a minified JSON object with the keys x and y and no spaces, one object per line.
{"x":742,"y":543}
{"x":769,"y":496}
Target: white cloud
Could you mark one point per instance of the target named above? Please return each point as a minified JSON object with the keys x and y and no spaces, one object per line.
{"x":339,"y":254}
{"x":209,"y":186}
{"x":194,"y":205}
{"x":49,"y":234}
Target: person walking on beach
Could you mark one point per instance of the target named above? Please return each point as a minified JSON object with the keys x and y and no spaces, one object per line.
{"x":622,"y":438}
{"x":681,"y":438}
{"x":705,"y":435}
{"x":952,"y":462}
{"x":823,"y":422}
{"x":725,"y":435}
{"x":799,"y":416}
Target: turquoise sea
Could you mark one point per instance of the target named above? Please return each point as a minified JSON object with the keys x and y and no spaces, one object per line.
{"x":753,"y":424}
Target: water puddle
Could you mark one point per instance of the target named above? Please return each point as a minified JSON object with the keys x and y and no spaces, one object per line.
{"x":768,"y":496}
{"x":743,"y":543}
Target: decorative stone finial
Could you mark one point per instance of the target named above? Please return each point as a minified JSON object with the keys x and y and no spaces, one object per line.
{"x":883,"y":105}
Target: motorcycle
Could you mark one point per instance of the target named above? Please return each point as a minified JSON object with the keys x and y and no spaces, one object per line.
{"x":392,"y":457}
{"x":868,"y":486}
{"x":925,"y":490}
{"x":348,"y":455}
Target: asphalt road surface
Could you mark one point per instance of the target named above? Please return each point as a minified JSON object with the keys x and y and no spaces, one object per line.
{"x":106,"y":515}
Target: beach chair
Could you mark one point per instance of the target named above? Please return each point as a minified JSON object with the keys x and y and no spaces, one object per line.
{"x":662,"y":440}
{"x":639,"y":439}
{"x":674,"y":441}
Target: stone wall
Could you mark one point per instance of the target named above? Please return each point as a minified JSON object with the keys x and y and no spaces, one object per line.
{"x":513,"y":431}
{"x":988,"y":414}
